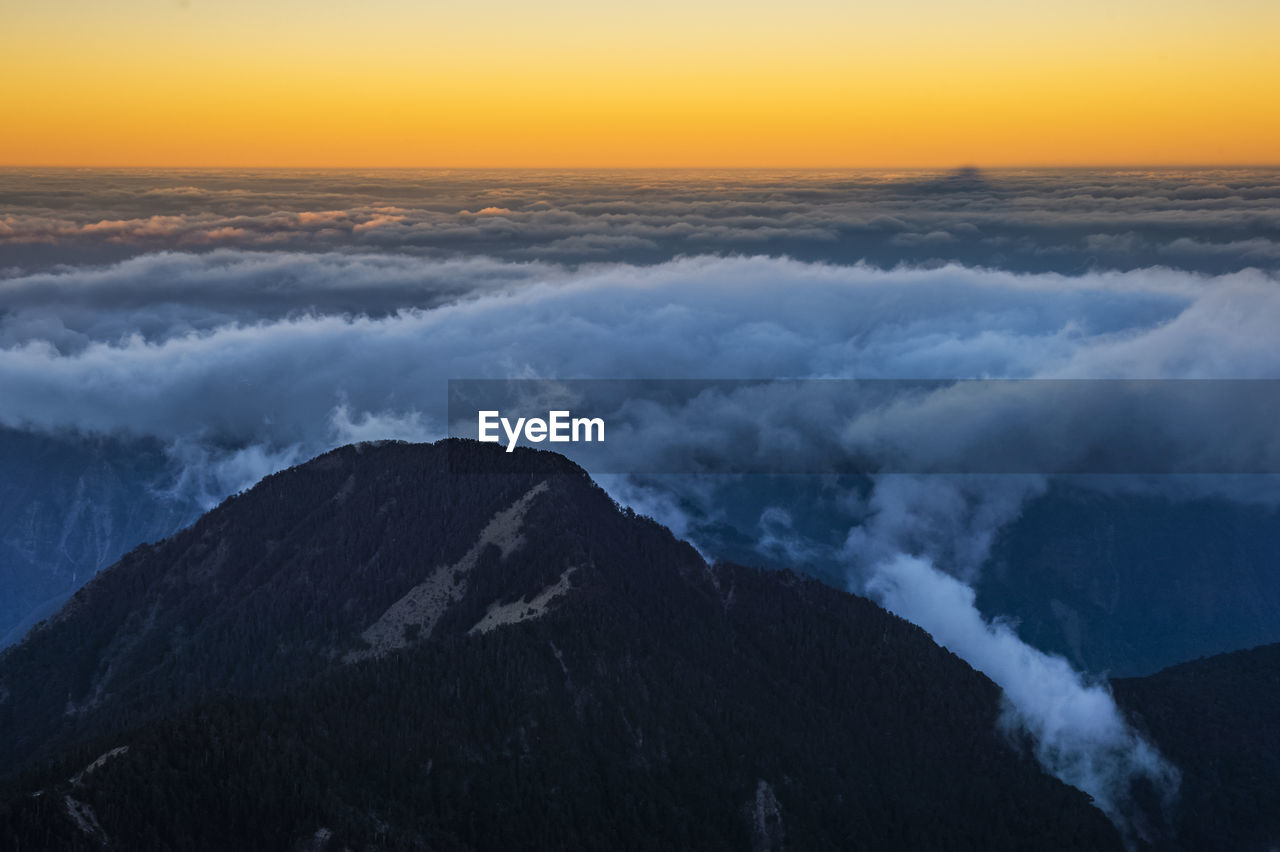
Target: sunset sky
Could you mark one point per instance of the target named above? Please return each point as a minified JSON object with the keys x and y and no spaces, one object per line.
{"x":569,"y":83}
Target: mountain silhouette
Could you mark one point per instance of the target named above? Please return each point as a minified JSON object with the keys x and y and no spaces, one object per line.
{"x":399,"y":646}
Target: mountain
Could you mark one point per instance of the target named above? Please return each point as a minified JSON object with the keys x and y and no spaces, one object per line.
{"x":69,"y":507}
{"x":447,"y":646}
{"x":1132,"y":583}
{"x":1218,"y":719}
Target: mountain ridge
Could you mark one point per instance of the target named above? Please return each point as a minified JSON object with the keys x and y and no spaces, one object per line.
{"x":655,"y":702}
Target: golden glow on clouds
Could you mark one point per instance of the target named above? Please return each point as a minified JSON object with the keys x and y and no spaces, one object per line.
{"x":661,"y":83}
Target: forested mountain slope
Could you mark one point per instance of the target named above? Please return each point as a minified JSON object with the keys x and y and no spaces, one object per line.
{"x":446,"y":646}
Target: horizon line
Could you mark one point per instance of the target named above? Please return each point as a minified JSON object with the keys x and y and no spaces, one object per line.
{"x":955,"y":167}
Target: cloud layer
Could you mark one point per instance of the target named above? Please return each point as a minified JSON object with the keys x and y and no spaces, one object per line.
{"x":250,"y":372}
{"x":1043,"y":221}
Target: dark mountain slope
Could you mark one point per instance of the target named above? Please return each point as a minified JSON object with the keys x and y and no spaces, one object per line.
{"x":1218,"y":719}
{"x":276,"y":582}
{"x":377,"y":650}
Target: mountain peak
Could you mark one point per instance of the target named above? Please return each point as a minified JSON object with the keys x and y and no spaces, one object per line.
{"x":478,"y":649}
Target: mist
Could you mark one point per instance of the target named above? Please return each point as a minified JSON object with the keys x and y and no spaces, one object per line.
{"x":1078,"y":732}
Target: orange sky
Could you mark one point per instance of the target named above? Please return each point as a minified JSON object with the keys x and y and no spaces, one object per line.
{"x":662,"y":83}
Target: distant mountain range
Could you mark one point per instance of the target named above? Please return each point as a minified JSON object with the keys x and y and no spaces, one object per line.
{"x":1125,"y":582}
{"x":445,"y":646}
{"x":1131,"y":583}
{"x":69,"y":507}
